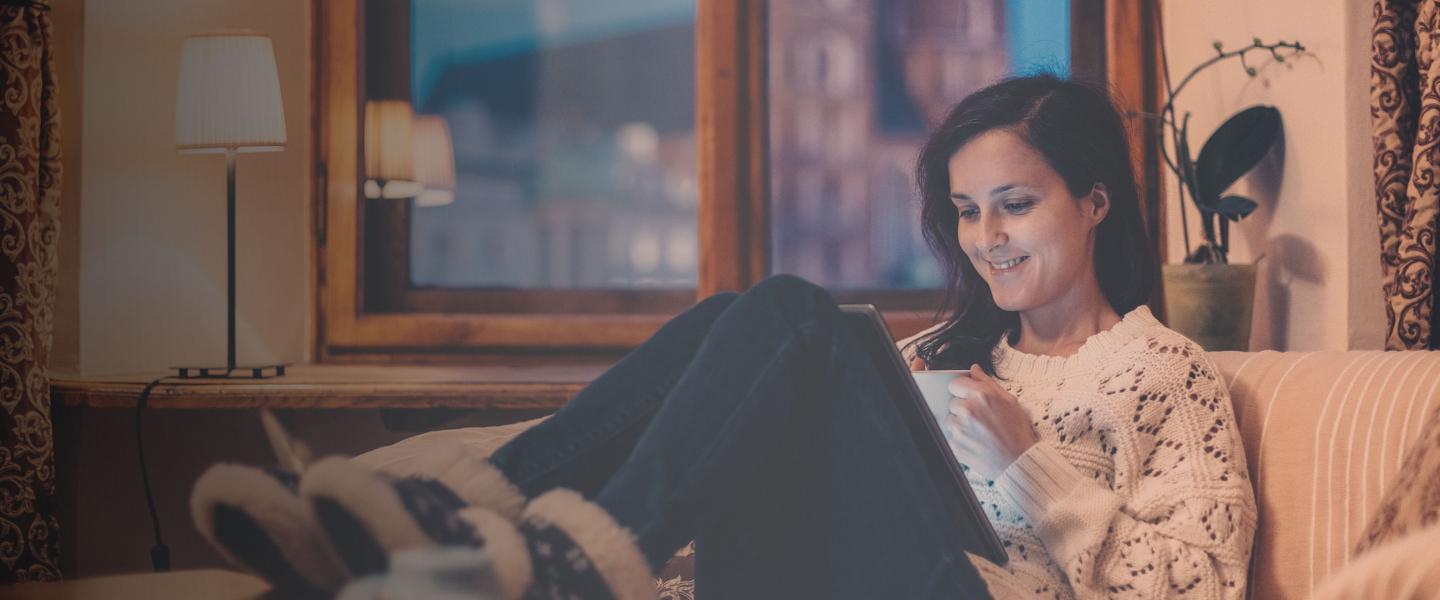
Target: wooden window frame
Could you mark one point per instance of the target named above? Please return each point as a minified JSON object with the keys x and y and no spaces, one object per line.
{"x":733,"y":219}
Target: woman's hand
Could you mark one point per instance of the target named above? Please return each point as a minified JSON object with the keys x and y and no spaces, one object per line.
{"x":917,"y":364}
{"x":989,"y":429}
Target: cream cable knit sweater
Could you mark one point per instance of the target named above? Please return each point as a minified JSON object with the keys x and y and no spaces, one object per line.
{"x":1138,"y":486}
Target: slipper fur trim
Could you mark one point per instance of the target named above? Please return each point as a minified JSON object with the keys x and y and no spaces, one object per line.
{"x":507,"y":550}
{"x":471,"y":476}
{"x":480,"y":483}
{"x":367,"y":496}
{"x":609,"y":547}
{"x":278,"y":510}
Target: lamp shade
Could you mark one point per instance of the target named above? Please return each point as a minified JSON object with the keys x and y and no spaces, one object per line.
{"x":389,"y":140}
{"x":229,"y":94}
{"x":434,"y":161}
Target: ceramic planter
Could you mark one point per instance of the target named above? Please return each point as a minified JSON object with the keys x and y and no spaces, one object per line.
{"x":1211,"y":304}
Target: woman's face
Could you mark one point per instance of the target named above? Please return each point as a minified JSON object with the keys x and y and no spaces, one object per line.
{"x":1022,"y":230}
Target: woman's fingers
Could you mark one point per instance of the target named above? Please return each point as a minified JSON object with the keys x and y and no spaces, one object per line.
{"x":917,"y":364}
{"x":962,"y":386}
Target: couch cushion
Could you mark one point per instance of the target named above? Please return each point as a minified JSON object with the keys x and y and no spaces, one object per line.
{"x":1413,"y":499}
{"x":1324,"y":434}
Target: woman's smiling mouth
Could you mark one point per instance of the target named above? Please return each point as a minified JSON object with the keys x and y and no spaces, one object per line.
{"x":1007,"y":266}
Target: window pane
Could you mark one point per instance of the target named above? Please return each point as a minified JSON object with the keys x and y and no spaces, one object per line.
{"x":574,"y":143}
{"x":855,"y":85}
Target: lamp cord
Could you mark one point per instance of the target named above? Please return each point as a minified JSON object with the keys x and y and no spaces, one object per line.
{"x":159,"y":553}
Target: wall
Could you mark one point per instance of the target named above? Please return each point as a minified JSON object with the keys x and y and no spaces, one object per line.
{"x":152,"y":250}
{"x":1315,"y":234}
{"x":67,"y":21}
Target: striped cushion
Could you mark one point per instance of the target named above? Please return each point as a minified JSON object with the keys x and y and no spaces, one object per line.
{"x":1324,"y":433}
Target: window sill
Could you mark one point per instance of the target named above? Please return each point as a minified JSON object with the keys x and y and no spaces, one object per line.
{"x":492,"y":387}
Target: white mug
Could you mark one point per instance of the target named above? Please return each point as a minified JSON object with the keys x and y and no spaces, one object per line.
{"x":935,"y":387}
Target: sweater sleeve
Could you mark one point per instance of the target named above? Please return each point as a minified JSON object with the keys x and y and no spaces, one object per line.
{"x":1179,"y":519}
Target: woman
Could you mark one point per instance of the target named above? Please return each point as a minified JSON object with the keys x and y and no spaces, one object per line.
{"x":1101,"y":443}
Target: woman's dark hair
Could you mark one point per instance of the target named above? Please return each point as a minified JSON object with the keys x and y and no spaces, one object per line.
{"x":1076,"y":127}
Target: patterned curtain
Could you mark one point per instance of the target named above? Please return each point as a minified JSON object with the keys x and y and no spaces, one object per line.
{"x":29,"y":230}
{"x":1405,"y":116}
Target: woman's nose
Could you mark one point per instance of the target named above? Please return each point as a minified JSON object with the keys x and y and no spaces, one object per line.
{"x":992,"y":234}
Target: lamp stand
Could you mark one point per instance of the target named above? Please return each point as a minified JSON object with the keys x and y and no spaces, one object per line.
{"x":230,"y":370}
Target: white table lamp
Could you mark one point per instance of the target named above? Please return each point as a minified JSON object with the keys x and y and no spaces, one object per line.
{"x":228,"y":101}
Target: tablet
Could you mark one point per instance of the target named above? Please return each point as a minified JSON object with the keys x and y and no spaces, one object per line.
{"x":977,"y":535}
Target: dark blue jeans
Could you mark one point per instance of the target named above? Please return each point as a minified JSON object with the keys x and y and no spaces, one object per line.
{"x":755,"y":425}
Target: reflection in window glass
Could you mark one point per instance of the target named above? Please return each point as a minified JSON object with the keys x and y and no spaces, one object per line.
{"x":855,"y":85}
{"x":574,"y":143}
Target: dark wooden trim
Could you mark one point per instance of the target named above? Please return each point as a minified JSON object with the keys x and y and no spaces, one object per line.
{"x":1087,"y":39}
{"x":385,"y":255}
{"x":1133,"y":68}
{"x":318,"y":68}
{"x":385,"y":233}
{"x":757,"y":76}
{"x":578,"y":301}
{"x":731,"y":130}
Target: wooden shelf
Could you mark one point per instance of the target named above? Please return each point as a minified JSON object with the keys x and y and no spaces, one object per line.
{"x":342,"y":386}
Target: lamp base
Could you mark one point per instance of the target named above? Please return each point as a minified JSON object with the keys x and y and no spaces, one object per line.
{"x":237,"y":372}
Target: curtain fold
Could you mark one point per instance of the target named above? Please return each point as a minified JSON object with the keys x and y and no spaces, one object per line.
{"x":29,"y":240}
{"x":1405,"y":119}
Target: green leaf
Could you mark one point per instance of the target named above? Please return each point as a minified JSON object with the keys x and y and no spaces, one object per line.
{"x":1235,"y":207}
{"x":1233,"y":150}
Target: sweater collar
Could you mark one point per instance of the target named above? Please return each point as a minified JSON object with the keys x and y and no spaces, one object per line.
{"x":1011,"y":363}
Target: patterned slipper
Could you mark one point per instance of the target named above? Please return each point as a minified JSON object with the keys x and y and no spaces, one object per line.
{"x":564,"y":547}
{"x":368,"y":515}
{"x":460,"y":466}
{"x":255,"y":518}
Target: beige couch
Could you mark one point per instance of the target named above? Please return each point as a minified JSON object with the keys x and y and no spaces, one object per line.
{"x":1324,"y":432}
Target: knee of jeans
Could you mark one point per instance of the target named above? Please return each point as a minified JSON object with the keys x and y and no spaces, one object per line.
{"x":718,"y":302}
{"x":803,"y":300}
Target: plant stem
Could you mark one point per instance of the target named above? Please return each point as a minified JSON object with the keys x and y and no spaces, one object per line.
{"x":1178,"y":138}
{"x":1298,"y":47}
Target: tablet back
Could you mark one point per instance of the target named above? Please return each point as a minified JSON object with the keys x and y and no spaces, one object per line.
{"x":978,"y":535}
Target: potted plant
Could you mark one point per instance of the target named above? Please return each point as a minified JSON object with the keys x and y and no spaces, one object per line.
{"x":1207,"y":298}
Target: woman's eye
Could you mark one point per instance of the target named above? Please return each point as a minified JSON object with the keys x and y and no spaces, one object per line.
{"x":969,"y":213}
{"x":1019,"y":206}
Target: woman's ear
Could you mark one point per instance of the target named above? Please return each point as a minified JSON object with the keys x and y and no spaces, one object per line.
{"x":1097,"y":204}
